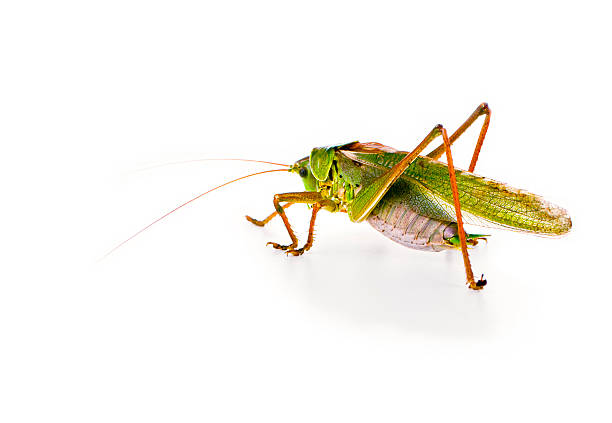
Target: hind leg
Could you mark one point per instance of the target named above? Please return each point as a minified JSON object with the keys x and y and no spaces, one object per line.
{"x":482,"y":109}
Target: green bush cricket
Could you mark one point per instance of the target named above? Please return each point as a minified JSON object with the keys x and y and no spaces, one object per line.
{"x":412,"y":199}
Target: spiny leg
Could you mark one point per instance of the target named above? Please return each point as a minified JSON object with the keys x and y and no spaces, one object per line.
{"x":298,"y":252}
{"x":293,"y":197}
{"x":370,"y":195}
{"x":482,"y":109}
{"x":464,"y":251}
{"x":267,"y":219}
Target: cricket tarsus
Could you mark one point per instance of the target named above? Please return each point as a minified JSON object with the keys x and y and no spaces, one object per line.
{"x":481,"y":282}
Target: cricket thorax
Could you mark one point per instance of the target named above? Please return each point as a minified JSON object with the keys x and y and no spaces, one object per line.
{"x":337,"y":189}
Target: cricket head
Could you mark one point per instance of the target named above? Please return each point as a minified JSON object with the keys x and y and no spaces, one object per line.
{"x":315,"y":167}
{"x":302,"y":169}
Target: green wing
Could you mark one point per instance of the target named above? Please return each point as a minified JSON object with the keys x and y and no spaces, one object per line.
{"x":484,"y":202}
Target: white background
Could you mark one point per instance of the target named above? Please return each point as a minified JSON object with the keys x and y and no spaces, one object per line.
{"x":196,"y":320}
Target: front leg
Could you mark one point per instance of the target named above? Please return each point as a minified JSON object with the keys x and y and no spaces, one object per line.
{"x":267,"y":219}
{"x":294,"y":197}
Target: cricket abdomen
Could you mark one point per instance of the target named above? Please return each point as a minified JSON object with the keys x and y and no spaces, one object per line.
{"x":402,"y":224}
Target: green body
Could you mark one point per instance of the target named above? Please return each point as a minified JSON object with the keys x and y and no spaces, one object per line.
{"x":348,"y":175}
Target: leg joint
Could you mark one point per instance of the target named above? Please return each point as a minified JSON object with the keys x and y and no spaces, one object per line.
{"x":277,"y":205}
{"x":437,"y":130}
{"x":483,"y":109}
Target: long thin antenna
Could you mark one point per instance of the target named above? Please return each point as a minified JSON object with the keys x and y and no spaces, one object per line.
{"x":183,"y":205}
{"x":207,"y":160}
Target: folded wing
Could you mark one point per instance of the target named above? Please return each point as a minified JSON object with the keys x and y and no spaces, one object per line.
{"x":484,"y":202}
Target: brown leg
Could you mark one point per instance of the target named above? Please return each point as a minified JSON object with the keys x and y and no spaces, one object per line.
{"x":267,"y":219}
{"x":298,"y":252}
{"x":464,"y":251}
{"x":483,"y":109}
{"x":293,"y":197}
{"x":371,"y":194}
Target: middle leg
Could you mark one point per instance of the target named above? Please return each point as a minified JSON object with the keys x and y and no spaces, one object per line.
{"x":314,"y":198}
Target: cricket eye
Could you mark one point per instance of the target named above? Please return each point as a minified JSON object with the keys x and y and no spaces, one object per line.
{"x":303,"y":172}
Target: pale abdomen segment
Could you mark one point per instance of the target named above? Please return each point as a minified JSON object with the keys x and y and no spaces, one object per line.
{"x":402,"y":224}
